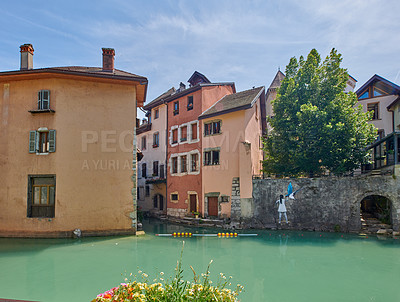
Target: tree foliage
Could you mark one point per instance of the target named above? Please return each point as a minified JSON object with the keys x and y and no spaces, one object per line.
{"x":316,"y":126}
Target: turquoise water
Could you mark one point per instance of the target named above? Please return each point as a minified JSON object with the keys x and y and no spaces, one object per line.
{"x":275,"y":266}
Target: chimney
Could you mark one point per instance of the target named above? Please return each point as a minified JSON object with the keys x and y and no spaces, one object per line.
{"x":26,"y":56}
{"x":182,"y":86}
{"x":108,"y":59}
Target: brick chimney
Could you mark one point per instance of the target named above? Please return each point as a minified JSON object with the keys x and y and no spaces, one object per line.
{"x":26,"y":56}
{"x":108,"y":59}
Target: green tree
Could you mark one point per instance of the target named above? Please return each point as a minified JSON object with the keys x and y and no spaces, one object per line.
{"x":316,"y":126}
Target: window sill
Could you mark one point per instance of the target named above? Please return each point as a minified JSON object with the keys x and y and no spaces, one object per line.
{"x":42,"y":111}
{"x":155,"y":146}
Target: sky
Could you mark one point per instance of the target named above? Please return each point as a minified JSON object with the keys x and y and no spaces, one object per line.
{"x":245,"y":42}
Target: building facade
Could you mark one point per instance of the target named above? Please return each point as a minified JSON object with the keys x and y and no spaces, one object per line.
{"x":68,"y":159}
{"x":152,"y":140}
{"x":184,"y":142}
{"x":232,"y":152}
{"x":375,"y":96}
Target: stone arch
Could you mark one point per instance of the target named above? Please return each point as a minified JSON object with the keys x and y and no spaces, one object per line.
{"x":376,"y":212}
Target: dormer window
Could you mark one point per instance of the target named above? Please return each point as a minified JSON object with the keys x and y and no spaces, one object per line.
{"x":44,"y":100}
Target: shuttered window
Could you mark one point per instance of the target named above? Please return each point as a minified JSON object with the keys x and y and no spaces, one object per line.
{"x":42,"y":141}
{"x":44,"y":99}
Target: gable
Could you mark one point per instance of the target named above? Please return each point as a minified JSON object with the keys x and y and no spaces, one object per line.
{"x":376,"y":87}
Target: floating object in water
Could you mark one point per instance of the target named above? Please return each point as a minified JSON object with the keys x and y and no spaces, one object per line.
{"x":227,"y":235}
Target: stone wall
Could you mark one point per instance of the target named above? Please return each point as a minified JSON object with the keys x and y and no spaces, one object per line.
{"x":235,"y":199}
{"x":176,"y":212}
{"x":323,"y":204}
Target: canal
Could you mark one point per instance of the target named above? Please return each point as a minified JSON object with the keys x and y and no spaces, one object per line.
{"x":274,"y":266}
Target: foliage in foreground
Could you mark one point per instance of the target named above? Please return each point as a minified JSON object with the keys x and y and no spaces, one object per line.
{"x":316,"y":127}
{"x":175,"y":289}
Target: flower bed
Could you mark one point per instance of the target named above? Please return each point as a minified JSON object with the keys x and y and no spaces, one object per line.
{"x":173,"y":289}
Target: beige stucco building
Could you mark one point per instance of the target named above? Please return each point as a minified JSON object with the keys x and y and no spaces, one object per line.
{"x":67,"y":153}
{"x":231,"y":151}
{"x":376,"y":95}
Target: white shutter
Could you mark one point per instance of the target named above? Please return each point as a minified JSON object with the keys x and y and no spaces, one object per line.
{"x":52,"y":140}
{"x":32,"y":141}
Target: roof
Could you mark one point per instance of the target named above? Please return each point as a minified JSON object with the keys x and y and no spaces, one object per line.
{"x":395,"y":102}
{"x":95,"y":72}
{"x":197,"y":78}
{"x":376,"y":78}
{"x":276,"y":82}
{"x":233,"y":102}
{"x":192,"y":89}
{"x":158,"y":100}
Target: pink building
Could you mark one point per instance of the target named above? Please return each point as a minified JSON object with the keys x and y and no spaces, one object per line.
{"x":232,"y":154}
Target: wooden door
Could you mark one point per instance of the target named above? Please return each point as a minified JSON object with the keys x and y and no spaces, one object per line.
{"x":193,"y":203}
{"x":213,"y":206}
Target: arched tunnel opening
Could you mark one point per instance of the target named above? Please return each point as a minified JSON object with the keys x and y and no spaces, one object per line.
{"x":376,"y":212}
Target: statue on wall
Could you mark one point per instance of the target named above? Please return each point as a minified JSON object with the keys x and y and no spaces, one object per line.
{"x":282,"y":202}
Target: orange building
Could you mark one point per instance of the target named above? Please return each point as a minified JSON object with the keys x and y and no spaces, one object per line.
{"x":67,"y":149}
{"x":184,"y":143}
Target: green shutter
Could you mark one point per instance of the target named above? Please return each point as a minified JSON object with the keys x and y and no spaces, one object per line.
{"x":52,"y":140}
{"x":32,"y":141}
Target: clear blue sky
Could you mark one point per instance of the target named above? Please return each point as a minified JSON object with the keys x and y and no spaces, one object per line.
{"x":240,"y":41}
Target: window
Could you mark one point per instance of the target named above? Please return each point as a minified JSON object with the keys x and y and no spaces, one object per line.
{"x":155,"y":168}
{"x":212,"y":128}
{"x":194,"y":131}
{"x":162,"y":175}
{"x":377,"y":92}
{"x":42,"y":141}
{"x":174,"y":161}
{"x":183,"y":134}
{"x":365,"y":95}
{"x":174,"y":196}
{"x":176,"y":108}
{"x":183,"y":164}
{"x":144,"y":170}
{"x":190,"y":103}
{"x":41,"y":195}
{"x":174,"y":136}
{"x":155,"y":202}
{"x":141,"y":193}
{"x":381,"y":134}
{"x":211,"y":158}
{"x":144,"y":143}
{"x":374,"y":107}
{"x":194,"y":160}
{"x":156,"y":140}
{"x":147,"y":191}
{"x":43,"y":100}
{"x":156,"y":113}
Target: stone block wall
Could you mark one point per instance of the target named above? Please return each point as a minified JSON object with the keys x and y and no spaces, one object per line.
{"x":323,"y":204}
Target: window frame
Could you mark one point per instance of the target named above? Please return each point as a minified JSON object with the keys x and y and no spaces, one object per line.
{"x":212,"y":128}
{"x":42,"y":141}
{"x":174,"y":164}
{"x":210,"y":158}
{"x":176,"y":108}
{"x":43,"y":100}
{"x":156,"y":113}
{"x":144,"y":142}
{"x":156,"y":139}
{"x":155,"y":168}
{"x":33,"y":207}
{"x":144,"y":170}
{"x":189,"y":102}
{"x":375,"y":109}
